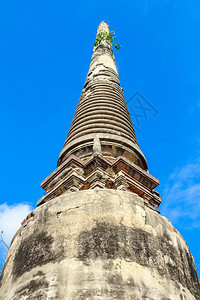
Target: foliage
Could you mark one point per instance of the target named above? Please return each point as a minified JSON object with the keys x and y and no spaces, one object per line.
{"x":108,"y":37}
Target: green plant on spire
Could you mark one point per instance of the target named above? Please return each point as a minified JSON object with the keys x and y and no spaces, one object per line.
{"x":108,"y":37}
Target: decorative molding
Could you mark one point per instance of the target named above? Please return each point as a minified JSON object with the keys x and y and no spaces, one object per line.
{"x":99,"y":172}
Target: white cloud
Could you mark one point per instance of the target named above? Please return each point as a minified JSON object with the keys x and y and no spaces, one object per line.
{"x":11,"y":217}
{"x":181,"y":196}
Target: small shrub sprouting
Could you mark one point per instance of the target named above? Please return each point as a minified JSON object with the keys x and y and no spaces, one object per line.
{"x":108,"y":37}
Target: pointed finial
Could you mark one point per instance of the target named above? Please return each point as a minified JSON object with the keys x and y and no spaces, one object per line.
{"x":103,"y":27}
{"x":103,"y":32}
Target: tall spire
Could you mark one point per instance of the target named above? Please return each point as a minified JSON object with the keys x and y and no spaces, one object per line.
{"x":102,"y":111}
{"x":98,"y":239}
{"x":101,"y":149}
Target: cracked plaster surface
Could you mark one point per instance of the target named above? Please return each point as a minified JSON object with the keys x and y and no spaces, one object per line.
{"x":98,"y":244}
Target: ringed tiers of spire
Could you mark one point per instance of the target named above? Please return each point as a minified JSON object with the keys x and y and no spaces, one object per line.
{"x":101,"y":149}
{"x":102,"y":112}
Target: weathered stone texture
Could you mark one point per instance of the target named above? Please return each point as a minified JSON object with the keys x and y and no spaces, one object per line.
{"x":98,"y":244}
{"x":102,"y":113}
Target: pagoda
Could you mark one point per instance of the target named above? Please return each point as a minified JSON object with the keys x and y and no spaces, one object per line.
{"x":97,"y":232}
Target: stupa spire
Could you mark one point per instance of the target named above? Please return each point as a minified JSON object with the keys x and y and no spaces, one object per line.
{"x":102,"y":109}
{"x":101,"y":149}
{"x":99,"y":236}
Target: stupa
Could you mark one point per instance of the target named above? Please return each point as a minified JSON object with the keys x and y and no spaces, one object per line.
{"x":97,"y":233}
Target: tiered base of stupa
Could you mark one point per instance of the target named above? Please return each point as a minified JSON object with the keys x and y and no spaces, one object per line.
{"x":98,"y":244}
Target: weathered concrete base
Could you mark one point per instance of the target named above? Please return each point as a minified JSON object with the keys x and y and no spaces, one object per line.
{"x":98,"y":244}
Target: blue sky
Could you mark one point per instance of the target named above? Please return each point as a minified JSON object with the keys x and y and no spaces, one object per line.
{"x":45,"y":50}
